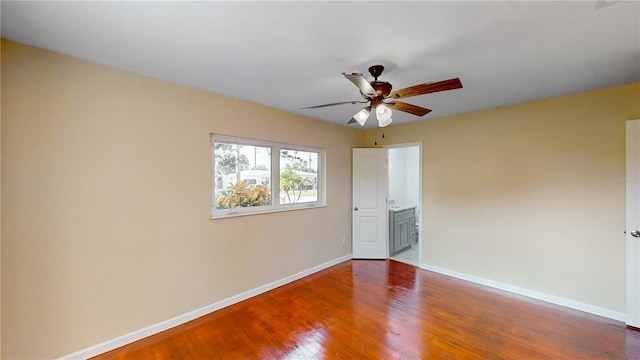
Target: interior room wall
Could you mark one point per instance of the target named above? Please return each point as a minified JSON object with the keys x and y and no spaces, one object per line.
{"x":413,"y":175}
{"x":404,"y":175}
{"x":530,"y":195}
{"x":105,"y":180}
{"x":397,"y":175}
{"x":106,"y":193}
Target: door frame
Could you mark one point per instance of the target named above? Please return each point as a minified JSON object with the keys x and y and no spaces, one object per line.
{"x":632,"y":200}
{"x":419,"y":213}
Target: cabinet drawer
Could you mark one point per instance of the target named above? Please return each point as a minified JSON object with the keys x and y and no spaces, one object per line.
{"x":404,"y":214}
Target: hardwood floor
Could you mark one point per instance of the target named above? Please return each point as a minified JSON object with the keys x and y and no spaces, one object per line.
{"x":383,"y":309}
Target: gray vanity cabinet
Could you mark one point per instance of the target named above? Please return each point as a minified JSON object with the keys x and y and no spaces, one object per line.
{"x":402,"y":229}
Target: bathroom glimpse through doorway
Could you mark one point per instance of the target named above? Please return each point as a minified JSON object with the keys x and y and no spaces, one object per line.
{"x":405,"y":202}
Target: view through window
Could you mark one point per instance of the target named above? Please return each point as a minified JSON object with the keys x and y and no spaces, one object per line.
{"x":298,"y":176}
{"x":242,"y":175}
{"x":244,"y":180}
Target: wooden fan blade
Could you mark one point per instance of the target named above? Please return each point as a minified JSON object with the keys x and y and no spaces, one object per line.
{"x":334,"y":104}
{"x":411,"y":109}
{"x":426,"y":88}
{"x":361,"y":82}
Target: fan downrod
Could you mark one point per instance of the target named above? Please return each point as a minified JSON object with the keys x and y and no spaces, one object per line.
{"x":376,"y":70}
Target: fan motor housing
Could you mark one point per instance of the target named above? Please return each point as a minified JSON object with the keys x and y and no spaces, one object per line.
{"x":383,"y":88}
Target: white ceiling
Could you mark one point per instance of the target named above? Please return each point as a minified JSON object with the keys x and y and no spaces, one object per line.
{"x":288,"y":55}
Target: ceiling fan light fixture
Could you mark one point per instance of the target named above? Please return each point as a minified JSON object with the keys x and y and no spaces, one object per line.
{"x":383,"y":123}
{"x":361,"y":116}
{"x":383,"y":114}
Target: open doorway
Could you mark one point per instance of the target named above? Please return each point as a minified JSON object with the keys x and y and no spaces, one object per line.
{"x":405,"y":202}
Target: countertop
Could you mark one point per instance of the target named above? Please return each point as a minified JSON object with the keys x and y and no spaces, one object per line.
{"x":400,"y":207}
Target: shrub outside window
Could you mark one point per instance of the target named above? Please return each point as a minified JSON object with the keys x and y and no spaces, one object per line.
{"x":244,"y":181}
{"x":239,"y":181}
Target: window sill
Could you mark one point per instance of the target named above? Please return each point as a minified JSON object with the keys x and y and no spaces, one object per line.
{"x":243,"y":212}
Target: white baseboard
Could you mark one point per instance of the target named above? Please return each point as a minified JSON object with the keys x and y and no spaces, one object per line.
{"x":596,"y":310}
{"x":181,"y":319}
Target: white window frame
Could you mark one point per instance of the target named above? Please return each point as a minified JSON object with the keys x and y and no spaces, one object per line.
{"x":275,"y":178}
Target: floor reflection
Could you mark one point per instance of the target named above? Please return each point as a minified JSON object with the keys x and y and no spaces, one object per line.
{"x":309,"y":345}
{"x":404,"y":310}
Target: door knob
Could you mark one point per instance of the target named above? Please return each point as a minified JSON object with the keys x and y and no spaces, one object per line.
{"x":356,"y":209}
{"x":635,"y":233}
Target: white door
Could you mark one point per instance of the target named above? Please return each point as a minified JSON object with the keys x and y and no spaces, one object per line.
{"x":633,"y":222}
{"x":369,"y":205}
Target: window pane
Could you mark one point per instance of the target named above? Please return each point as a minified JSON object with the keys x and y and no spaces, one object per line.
{"x":242,"y":175}
{"x":298,"y":176}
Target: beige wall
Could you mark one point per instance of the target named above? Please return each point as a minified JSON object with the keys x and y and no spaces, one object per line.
{"x":530,"y":195}
{"x":105,"y":203}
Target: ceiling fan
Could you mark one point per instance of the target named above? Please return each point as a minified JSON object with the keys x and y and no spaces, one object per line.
{"x":379,"y":96}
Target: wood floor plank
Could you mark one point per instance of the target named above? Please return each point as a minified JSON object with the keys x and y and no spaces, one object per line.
{"x":383,"y":309}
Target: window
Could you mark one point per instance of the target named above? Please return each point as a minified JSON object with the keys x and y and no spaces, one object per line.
{"x":298,"y":176}
{"x":242,"y":175}
{"x":244,"y":180}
